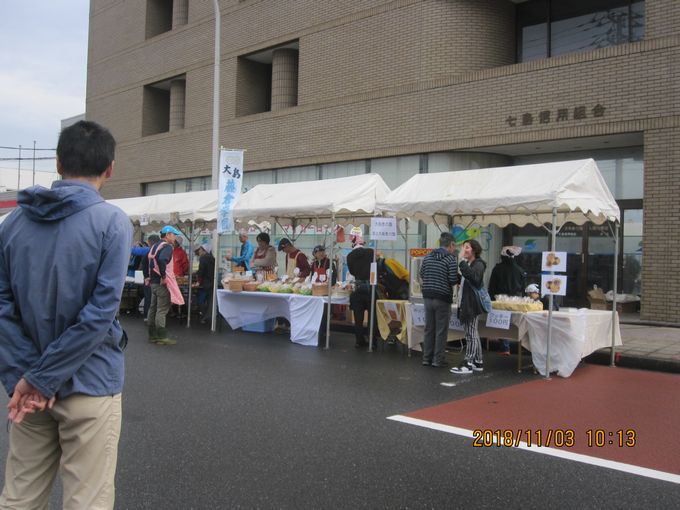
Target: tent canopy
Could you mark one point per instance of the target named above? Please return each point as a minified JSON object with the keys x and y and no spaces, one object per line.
{"x":171,"y":207}
{"x":508,"y":195}
{"x":353,"y":197}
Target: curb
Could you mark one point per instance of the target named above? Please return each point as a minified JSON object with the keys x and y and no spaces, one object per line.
{"x":656,"y":365}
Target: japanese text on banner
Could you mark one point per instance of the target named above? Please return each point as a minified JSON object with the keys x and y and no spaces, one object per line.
{"x":231,"y":178}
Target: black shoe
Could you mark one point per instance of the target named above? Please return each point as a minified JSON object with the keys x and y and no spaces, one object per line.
{"x":359,"y":345}
{"x":426,"y":363}
{"x":441,"y":364}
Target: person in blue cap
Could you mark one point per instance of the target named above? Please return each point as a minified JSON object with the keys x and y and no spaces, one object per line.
{"x":164,"y":289}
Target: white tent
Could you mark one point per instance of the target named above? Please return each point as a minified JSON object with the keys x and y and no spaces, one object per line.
{"x":518,"y":195}
{"x":353,"y":198}
{"x":549,"y":193}
{"x":346,"y":197}
{"x":171,"y":207}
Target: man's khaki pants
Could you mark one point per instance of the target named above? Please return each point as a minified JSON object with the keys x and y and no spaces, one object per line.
{"x":79,"y":438}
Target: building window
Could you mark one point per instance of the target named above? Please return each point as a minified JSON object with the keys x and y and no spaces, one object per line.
{"x":267,"y":80}
{"x":163,"y":106}
{"x":165,"y":15}
{"x":178,"y":186}
{"x":158,"y":17}
{"x":548,"y":28}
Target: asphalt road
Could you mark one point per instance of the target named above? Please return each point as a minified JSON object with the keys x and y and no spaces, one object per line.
{"x":243,"y":420}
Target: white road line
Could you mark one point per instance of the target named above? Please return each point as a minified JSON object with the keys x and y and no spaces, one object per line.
{"x":555,"y":452}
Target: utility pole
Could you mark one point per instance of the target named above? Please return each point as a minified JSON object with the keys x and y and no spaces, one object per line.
{"x":33,"y":162}
{"x":19,"y":171}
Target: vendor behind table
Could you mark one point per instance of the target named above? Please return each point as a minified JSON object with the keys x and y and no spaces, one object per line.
{"x":246,"y":255}
{"x":263,"y":261}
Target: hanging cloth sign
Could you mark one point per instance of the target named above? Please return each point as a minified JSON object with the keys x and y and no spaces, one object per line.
{"x":230,"y":181}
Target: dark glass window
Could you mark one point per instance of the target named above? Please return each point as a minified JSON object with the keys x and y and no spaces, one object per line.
{"x":547,"y":28}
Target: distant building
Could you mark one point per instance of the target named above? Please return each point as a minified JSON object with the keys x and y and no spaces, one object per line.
{"x":72,"y":120}
{"x":328,"y":89}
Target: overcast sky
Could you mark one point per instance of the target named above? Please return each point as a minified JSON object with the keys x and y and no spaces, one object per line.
{"x":43,"y":67}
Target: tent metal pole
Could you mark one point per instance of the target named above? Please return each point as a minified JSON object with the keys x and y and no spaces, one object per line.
{"x":370,"y":317}
{"x":615,"y":289}
{"x":551,"y":297}
{"x":329,"y":276}
{"x":191,"y":268}
{"x":216,"y":245}
{"x":406,"y":243}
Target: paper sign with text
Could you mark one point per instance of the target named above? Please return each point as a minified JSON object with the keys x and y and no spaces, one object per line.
{"x":454,"y":323}
{"x":383,"y":229}
{"x":498,"y":319}
{"x":392,"y":311}
{"x":418,"y":315}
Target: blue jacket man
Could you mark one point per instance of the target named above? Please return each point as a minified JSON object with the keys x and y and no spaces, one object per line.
{"x":247,"y":252}
{"x":63,"y":258}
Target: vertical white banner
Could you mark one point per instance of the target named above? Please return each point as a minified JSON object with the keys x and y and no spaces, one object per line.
{"x":231,"y":178}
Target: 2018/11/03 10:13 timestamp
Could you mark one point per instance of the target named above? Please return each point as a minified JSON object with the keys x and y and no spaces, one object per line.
{"x":559,"y":438}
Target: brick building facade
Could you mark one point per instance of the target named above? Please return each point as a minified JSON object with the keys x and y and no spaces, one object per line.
{"x":323,"y":88}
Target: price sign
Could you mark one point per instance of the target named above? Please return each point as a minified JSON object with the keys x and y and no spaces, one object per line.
{"x":418,"y":315}
{"x":454,"y":323}
{"x":384,"y":229}
{"x":498,"y":319}
{"x":143,"y":219}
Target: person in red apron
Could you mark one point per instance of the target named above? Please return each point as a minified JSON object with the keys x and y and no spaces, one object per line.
{"x":164,"y":288}
{"x":320,"y":267}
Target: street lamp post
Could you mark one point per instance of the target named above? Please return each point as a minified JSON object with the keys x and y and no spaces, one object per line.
{"x":215,"y":151}
{"x":216,"y":97}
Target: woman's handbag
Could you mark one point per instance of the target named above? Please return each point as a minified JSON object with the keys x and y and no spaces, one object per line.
{"x":483,"y":298}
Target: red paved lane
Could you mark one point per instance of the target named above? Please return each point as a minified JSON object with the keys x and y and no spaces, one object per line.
{"x":593,"y":398}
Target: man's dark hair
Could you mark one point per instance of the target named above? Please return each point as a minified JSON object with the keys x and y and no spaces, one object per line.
{"x":85,"y":149}
{"x":263,"y":236}
{"x":445,"y":240}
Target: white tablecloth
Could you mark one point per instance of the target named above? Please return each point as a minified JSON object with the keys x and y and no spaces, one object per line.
{"x":303,"y":312}
{"x":416,"y":333}
{"x":574,"y":336}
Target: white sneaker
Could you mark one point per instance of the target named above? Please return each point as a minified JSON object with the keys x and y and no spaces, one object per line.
{"x":476,"y":366}
{"x":462,"y":369}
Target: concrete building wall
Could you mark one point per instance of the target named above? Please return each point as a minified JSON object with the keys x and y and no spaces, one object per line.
{"x":387,"y":78}
{"x":660,"y":282}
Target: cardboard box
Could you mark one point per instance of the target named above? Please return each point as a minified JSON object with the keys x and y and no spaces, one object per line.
{"x":597,"y":300}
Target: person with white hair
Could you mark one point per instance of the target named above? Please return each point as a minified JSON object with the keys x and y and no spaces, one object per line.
{"x":246,"y":254}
